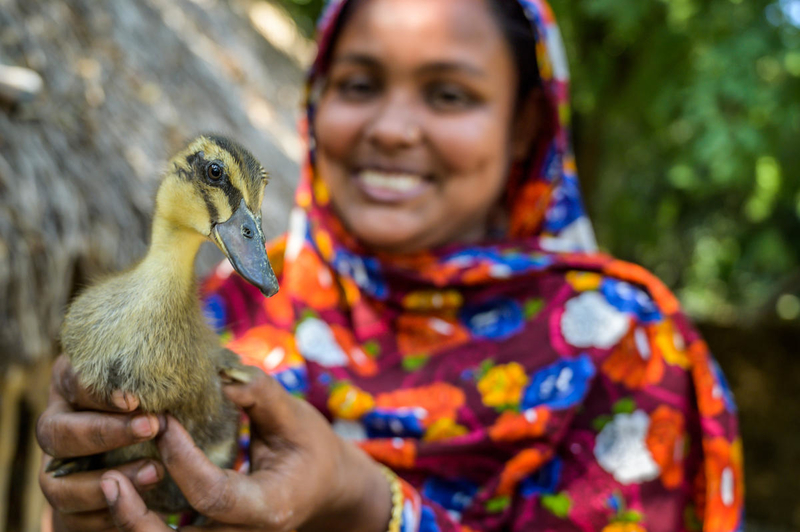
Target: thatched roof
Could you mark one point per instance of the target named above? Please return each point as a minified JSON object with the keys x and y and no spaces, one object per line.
{"x":125,"y":83}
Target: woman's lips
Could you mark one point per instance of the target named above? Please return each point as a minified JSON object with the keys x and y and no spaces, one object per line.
{"x":391,"y":187}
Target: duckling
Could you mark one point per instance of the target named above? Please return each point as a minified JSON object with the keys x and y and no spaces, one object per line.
{"x":142,"y":331}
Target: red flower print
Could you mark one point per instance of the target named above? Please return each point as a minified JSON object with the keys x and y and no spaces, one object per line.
{"x":666,"y":441}
{"x":418,"y":334}
{"x":311,"y":281}
{"x":267,"y":347}
{"x":530,"y":207}
{"x":440,"y":400}
{"x":513,"y":426}
{"x":710,"y":397}
{"x":724,"y":481}
{"x":523,"y":464}
{"x":477,"y":274}
{"x":279,"y":309}
{"x":633,"y":362}
{"x":394,"y":452}
{"x":361,"y":363}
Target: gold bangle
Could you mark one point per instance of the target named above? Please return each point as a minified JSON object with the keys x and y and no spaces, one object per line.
{"x":397,"y":499}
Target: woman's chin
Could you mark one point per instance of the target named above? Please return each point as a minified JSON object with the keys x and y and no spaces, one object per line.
{"x":389,"y":230}
{"x":391,"y":241}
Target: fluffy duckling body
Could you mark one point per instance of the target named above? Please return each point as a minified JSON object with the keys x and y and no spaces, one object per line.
{"x":142,"y":331}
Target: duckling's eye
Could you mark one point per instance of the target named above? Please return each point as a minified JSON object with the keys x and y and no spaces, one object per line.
{"x":214,"y":171}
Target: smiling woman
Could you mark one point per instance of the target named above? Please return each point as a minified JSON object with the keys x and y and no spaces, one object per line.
{"x":443,"y":308}
{"x":414,"y":126}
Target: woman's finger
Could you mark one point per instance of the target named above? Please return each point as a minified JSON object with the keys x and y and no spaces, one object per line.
{"x":220,"y":494}
{"x":80,"y":492}
{"x":97,"y":521}
{"x":65,"y":383}
{"x":128,"y":510}
{"x":67,"y":434}
{"x":265,"y":401}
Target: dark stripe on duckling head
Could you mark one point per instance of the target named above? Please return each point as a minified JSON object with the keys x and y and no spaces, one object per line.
{"x":250,"y":169}
{"x":233,"y":194}
{"x":213,"y":213}
{"x":182,"y":172}
{"x":195,"y":161}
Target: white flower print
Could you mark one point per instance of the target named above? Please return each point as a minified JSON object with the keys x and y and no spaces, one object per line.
{"x":590,"y":321}
{"x":315,"y":342}
{"x":297,"y":233}
{"x":349,"y":430}
{"x":726,"y":486}
{"x":621,"y":449}
{"x":577,"y":236}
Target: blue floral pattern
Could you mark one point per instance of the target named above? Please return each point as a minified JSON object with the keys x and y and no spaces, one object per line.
{"x":560,"y":385}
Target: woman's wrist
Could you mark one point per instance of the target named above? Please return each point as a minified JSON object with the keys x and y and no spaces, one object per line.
{"x":360,"y":495}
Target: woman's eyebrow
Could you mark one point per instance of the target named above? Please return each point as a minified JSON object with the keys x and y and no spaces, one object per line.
{"x":444,"y":67}
{"x":437,"y":67}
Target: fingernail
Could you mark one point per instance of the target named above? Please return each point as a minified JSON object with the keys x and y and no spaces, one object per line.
{"x":142,"y":426}
{"x":110,"y":489}
{"x":148,"y":474}
{"x":162,"y":422}
{"x":120,"y":400}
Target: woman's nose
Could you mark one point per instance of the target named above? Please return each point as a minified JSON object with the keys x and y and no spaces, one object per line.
{"x":395,"y":125}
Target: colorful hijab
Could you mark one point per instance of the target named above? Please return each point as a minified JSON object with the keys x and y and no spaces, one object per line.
{"x":522,"y":383}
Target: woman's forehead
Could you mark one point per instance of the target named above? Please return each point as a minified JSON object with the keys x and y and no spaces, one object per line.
{"x":430,"y":25}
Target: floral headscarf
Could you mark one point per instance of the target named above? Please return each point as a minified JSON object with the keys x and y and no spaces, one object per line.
{"x":520,"y":383}
{"x":545,"y":206}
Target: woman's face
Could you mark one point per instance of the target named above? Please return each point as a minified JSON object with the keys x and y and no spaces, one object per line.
{"x":413,"y":128}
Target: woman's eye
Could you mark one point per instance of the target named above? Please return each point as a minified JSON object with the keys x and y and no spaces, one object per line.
{"x":214,"y":171}
{"x":449,"y":97}
{"x":357,"y":88}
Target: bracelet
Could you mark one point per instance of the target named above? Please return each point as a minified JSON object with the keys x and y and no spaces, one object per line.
{"x":397,"y":499}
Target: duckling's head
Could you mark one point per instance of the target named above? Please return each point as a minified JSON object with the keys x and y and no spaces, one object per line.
{"x":214,"y":187}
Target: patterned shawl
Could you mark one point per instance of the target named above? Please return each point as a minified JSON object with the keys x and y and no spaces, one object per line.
{"x":521,"y":383}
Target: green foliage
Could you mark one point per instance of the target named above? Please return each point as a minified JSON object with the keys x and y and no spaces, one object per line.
{"x":687,"y":125}
{"x":304,"y":12}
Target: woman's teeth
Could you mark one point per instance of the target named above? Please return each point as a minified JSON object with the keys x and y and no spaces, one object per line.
{"x":392,"y":181}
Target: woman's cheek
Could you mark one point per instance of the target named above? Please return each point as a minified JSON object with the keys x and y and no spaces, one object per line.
{"x":337,"y":128}
{"x":469,"y":144}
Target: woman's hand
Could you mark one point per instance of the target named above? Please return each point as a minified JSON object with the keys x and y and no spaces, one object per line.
{"x":303,"y":476}
{"x":69,"y":429}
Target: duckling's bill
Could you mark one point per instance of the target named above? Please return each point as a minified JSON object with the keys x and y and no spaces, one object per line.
{"x":242,"y":241}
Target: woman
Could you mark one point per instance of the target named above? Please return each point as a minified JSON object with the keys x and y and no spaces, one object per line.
{"x":442,"y":307}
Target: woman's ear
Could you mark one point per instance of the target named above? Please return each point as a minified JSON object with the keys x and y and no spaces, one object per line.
{"x":527,"y":124}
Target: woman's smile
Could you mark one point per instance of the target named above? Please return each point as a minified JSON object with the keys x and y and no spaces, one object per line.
{"x":392,"y":186}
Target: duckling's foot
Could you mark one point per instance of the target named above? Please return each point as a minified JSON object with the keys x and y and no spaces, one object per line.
{"x":61,"y":467}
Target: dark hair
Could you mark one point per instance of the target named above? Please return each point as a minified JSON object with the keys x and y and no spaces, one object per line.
{"x":516,"y":28}
{"x":518,"y":31}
